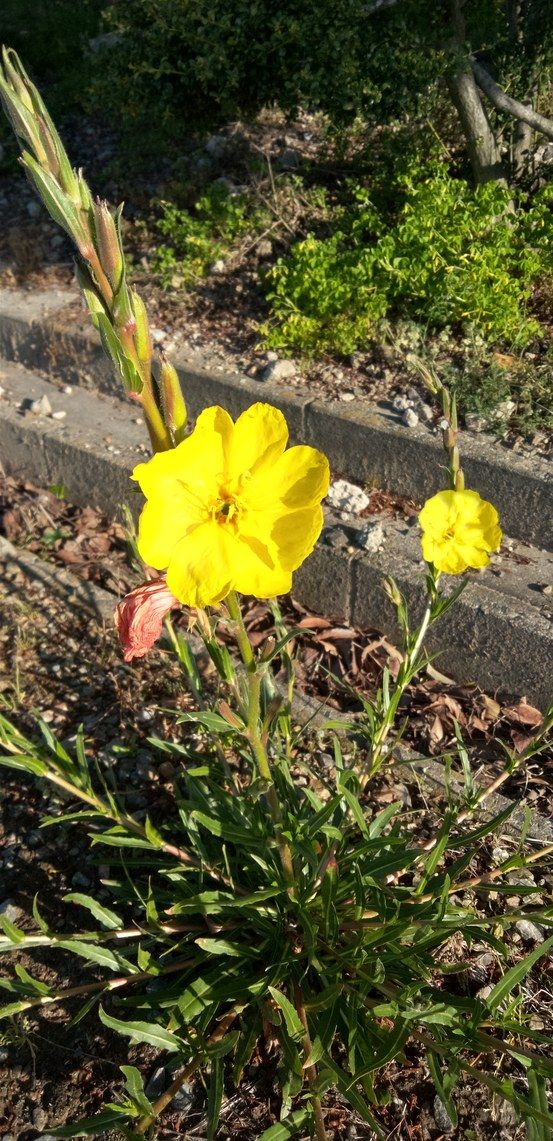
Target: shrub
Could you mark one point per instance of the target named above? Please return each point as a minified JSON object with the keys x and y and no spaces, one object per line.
{"x":453,"y":257}
{"x":196,"y":240}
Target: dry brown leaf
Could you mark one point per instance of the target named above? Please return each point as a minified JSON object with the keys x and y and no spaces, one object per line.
{"x":524,"y":713}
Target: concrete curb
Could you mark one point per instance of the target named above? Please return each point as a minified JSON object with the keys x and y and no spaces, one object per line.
{"x":364,"y":443}
{"x":100,"y":603}
{"x":499,"y":634}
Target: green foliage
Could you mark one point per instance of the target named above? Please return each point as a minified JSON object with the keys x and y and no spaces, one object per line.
{"x":195,"y":240}
{"x":453,"y":256}
{"x":52,"y":37}
{"x":222,"y":942}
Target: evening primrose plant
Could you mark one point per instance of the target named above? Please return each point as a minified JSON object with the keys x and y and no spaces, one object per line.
{"x":275,"y":910}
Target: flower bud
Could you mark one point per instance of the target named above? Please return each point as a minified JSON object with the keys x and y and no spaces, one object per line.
{"x":142,"y":338}
{"x":108,"y":244}
{"x":229,"y":716}
{"x":172,"y":400}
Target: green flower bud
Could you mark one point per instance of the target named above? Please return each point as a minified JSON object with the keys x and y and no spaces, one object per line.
{"x":108,"y":244}
{"x":172,"y":400}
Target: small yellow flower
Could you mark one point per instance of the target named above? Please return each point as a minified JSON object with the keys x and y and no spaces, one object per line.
{"x":459,"y":530}
{"x":230,"y":509}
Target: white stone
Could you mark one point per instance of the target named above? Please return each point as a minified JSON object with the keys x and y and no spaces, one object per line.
{"x":347,"y":397}
{"x":218,"y":266}
{"x":158,"y":335}
{"x":10,"y":911}
{"x":347,"y":497}
{"x":475,"y":423}
{"x":409,"y":418}
{"x":400,"y":403}
{"x":42,"y":406}
{"x":279,"y":370}
{"x":59,"y":415}
{"x":530,"y":932}
{"x":370,"y":537}
{"x":2,"y":390}
{"x":68,"y":390}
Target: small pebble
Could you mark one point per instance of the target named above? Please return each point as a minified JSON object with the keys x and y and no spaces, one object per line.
{"x":484,"y":992}
{"x":370,"y":537}
{"x":347,"y":397}
{"x":59,"y":415}
{"x":278,"y":370}
{"x":41,"y":407}
{"x":218,"y":266}
{"x":530,"y":932}
{"x":409,"y":418}
{"x":68,"y":390}
{"x":441,"y":1116}
{"x":40,"y":1118}
{"x":80,"y":880}
{"x":346,"y":496}
{"x":10,"y":911}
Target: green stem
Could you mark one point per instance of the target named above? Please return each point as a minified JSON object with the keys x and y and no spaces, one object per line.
{"x":409,"y":669}
{"x":254,"y":732}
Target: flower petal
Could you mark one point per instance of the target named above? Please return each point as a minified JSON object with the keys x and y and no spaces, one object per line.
{"x":164,"y":522}
{"x":200,"y":572}
{"x":295,"y":533}
{"x":139,"y":617}
{"x":260,"y":436}
{"x":256,"y":572}
{"x":198,"y":461}
{"x":299,"y":478}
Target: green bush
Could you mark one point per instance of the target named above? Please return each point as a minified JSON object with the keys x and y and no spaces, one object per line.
{"x":52,"y":36}
{"x":196,"y":240}
{"x":453,"y":256}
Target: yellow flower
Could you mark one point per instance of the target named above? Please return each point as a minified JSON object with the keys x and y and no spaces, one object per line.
{"x":459,"y":530}
{"x":230,"y":509}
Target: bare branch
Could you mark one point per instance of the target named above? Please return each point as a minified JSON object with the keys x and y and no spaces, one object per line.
{"x":506,"y":103}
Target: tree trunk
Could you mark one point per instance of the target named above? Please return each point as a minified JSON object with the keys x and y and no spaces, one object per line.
{"x":482,"y":147}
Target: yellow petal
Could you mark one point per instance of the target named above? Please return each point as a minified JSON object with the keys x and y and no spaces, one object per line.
{"x":198,"y":461}
{"x":299,"y":478}
{"x":200,"y":572}
{"x":256,"y":572}
{"x":295,"y":534}
{"x":163,"y":522}
{"x":260,"y":436}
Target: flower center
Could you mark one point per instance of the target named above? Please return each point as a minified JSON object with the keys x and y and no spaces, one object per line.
{"x":225,"y":511}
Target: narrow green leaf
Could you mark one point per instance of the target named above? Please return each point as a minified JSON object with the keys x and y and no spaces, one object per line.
{"x":291,"y":1017}
{"x":14,"y":934}
{"x":91,"y":1126}
{"x":135,"y":1087}
{"x":103,"y":914}
{"x":214,"y":1097}
{"x":143,"y":1032}
{"x":284,"y":1130}
{"x":516,"y":974}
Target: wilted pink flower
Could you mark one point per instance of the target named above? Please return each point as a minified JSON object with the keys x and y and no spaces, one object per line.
{"x":139,"y":617}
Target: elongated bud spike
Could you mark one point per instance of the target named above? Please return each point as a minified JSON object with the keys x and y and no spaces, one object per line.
{"x":109,"y":247}
{"x":142,"y":338}
{"x":172,"y":400}
{"x":392,"y":590}
{"x":230,"y":717}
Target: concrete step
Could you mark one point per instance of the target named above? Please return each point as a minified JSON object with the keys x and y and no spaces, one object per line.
{"x":499,"y":634}
{"x":365,"y":443}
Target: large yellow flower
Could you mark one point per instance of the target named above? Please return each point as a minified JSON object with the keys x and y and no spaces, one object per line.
{"x":459,"y":530}
{"x":230,"y":509}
